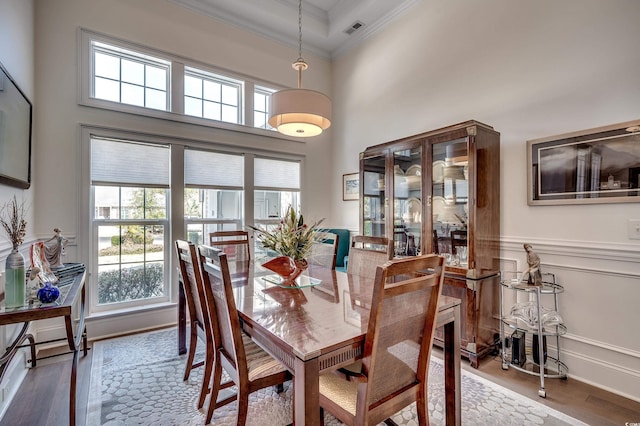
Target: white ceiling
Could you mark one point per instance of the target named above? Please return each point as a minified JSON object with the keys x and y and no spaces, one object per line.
{"x":324,"y":22}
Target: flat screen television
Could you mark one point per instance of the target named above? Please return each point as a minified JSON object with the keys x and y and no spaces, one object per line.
{"x":15,"y":133}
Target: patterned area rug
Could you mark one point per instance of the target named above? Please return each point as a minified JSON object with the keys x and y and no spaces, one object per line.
{"x":137,"y":380}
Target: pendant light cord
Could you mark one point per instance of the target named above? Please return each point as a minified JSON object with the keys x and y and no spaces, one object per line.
{"x":300,"y":30}
{"x":300,"y":64}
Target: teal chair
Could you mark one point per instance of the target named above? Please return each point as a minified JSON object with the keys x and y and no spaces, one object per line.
{"x":344,"y":241}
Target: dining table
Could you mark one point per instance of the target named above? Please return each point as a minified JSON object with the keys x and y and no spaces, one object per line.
{"x":320,"y":326}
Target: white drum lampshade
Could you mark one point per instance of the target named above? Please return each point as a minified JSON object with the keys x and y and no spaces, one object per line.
{"x":300,"y":112}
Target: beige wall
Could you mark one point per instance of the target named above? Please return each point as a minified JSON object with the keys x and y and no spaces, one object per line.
{"x":164,"y":26}
{"x":529,"y":69}
{"x":16,"y":55}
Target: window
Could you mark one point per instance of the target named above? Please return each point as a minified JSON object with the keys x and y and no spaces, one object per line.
{"x":212,"y":96}
{"x":261,"y":99}
{"x":276,"y":186}
{"x":130,"y":201}
{"x":128,"y":77}
{"x":213,"y":195}
{"x":129,"y":192}
{"x":122,"y":76}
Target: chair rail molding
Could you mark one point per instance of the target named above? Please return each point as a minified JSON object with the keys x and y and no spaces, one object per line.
{"x":606,"y":346}
{"x":572,"y":248}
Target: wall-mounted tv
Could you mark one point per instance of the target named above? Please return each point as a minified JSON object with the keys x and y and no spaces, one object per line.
{"x":15,"y":133}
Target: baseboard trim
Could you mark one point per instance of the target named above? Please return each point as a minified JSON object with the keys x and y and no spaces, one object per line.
{"x":16,"y":373}
{"x":603,"y":375}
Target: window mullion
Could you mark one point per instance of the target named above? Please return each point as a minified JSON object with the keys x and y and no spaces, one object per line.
{"x":177,"y":87}
{"x":249,"y":88}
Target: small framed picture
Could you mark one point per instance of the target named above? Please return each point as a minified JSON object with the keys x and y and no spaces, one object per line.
{"x":350,"y":186}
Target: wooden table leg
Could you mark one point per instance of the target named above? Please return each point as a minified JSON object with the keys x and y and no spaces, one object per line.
{"x":306,"y":396}
{"x":182,"y":320}
{"x":453,"y":395}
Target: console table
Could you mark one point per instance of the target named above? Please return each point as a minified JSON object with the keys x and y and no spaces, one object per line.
{"x":72,"y":291}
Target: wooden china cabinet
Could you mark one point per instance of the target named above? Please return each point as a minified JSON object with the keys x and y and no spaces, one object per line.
{"x":439,"y":192}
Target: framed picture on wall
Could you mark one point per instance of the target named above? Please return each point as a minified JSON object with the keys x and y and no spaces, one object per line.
{"x":350,"y":186}
{"x":600,"y":165}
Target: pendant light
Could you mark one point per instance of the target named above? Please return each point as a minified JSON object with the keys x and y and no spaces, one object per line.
{"x":300,"y":112}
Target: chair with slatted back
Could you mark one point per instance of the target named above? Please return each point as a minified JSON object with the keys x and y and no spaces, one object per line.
{"x":394,"y":369}
{"x":367,"y":253}
{"x":324,"y":251}
{"x":234,"y":243}
{"x":191,"y":276}
{"x":458,"y":239}
{"x":249,"y":367}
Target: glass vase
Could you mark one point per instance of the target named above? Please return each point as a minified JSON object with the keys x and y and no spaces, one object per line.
{"x":15,"y":277}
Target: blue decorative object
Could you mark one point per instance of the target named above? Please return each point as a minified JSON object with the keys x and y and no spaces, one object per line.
{"x":48,"y":293}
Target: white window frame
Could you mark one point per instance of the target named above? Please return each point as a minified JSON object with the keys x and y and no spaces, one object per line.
{"x":177,"y":68}
{"x":94,"y":306}
{"x":223,"y":81}
{"x":176,"y":228}
{"x":266,"y":91}
{"x":126,"y":54}
{"x":238,"y":222}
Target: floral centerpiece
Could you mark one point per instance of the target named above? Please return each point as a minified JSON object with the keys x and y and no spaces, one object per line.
{"x":292,"y":239}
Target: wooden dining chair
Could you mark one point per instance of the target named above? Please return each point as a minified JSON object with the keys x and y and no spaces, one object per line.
{"x":367,"y":253}
{"x":199,"y":315}
{"x":234,"y":243}
{"x":191,"y":275}
{"x":458,"y":239}
{"x":395,"y":365}
{"x":249,"y":367}
{"x":324,"y":251}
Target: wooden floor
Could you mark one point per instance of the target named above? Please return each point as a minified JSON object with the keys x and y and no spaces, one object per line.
{"x":43,"y":397}
{"x":579,"y":400}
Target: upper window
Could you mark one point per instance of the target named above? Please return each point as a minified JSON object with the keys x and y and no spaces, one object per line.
{"x":128,"y":77}
{"x":212,"y":96}
{"x":122,"y":76}
{"x":261,"y":99}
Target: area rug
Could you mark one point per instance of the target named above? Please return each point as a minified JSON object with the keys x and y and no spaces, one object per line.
{"x":137,"y":380}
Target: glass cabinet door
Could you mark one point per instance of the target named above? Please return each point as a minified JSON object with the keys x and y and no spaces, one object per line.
{"x":450,"y":200}
{"x":407,"y":201}
{"x":373,"y":196}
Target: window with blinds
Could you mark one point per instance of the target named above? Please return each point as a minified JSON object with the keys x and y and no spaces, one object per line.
{"x":132,"y":191}
{"x":214,"y":193}
{"x":276,"y":186}
{"x":130,"y":184}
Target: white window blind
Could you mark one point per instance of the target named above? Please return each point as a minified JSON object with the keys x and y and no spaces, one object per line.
{"x":129,"y":163}
{"x":276,"y":174}
{"x":213,"y":169}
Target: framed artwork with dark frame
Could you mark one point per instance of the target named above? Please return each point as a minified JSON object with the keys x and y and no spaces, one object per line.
{"x":350,"y":186}
{"x":15,"y":133}
{"x":600,"y":165}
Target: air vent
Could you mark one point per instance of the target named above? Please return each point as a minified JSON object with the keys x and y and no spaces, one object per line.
{"x":354,"y":27}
